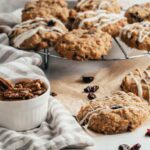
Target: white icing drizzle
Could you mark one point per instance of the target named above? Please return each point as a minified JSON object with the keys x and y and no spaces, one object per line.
{"x":91,"y":12}
{"x":147,"y":73}
{"x":140,"y":73}
{"x":102,"y":19}
{"x":90,"y":113}
{"x":104,"y":4}
{"x":98,"y":110}
{"x":37,"y":25}
{"x":142,"y":28}
{"x":148,"y":85}
{"x":139,"y":82}
{"x":139,"y":86}
{"x":30,"y":23}
{"x":101,"y":3}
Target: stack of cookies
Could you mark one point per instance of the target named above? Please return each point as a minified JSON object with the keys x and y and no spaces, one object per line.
{"x":124,"y":111}
{"x":84,"y":32}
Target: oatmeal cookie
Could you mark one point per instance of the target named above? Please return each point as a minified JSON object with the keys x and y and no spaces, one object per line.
{"x":46,"y":9}
{"x":121,"y":112}
{"x":108,"y":5}
{"x":82,"y":44}
{"x":138,"y":13}
{"x":137,"y":35}
{"x":37,"y":34}
{"x":138,"y":82}
{"x":107,"y":22}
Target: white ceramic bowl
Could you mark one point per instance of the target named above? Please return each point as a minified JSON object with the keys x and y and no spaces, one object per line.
{"x":25,"y":114}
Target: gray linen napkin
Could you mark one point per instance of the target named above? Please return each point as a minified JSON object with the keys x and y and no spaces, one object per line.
{"x":60,"y":130}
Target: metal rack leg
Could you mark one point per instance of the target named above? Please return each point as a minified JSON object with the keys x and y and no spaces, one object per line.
{"x":122,"y":49}
{"x":45,"y":59}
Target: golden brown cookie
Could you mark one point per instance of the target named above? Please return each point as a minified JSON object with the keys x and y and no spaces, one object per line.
{"x":82,"y":44}
{"x":108,"y":5}
{"x":138,"y":82}
{"x":138,"y":13}
{"x":37,"y":34}
{"x":108,"y":22}
{"x":46,"y":9}
{"x":137,"y":35}
{"x":121,"y":112}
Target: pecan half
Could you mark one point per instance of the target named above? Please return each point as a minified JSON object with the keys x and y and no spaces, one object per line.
{"x":18,"y":94}
{"x":5,"y":84}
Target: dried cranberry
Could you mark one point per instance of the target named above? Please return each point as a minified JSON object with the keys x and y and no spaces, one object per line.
{"x":91,"y":89}
{"x":124,"y":147}
{"x":136,"y":147}
{"x":53,"y":94}
{"x":87,"y":89}
{"x":87,"y":79}
{"x":91,"y":96}
{"x":94,"y":88}
{"x":51,"y":23}
{"x":147,"y":133}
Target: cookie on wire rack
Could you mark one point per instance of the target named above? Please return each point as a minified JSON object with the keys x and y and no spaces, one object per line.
{"x":37,"y":34}
{"x":108,"y":5}
{"x":137,"y":35}
{"x":138,"y":82}
{"x":121,"y":112}
{"x":108,"y":22}
{"x":138,"y":13}
{"x":82,"y":44}
{"x":46,"y":9}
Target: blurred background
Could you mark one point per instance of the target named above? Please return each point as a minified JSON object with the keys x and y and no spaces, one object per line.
{"x":10,"y":5}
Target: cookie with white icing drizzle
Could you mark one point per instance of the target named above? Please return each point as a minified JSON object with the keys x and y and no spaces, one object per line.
{"x":108,"y":22}
{"x":137,"y":35}
{"x":37,"y":34}
{"x":138,"y":82}
{"x":121,"y":112}
{"x":82,"y":44}
{"x":138,"y":13}
{"x":46,"y":9}
{"x":108,"y":5}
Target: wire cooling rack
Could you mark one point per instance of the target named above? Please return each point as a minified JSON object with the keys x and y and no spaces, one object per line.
{"x":119,"y":52}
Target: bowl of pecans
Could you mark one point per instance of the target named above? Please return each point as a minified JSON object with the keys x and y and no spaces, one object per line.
{"x":23,"y":102}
